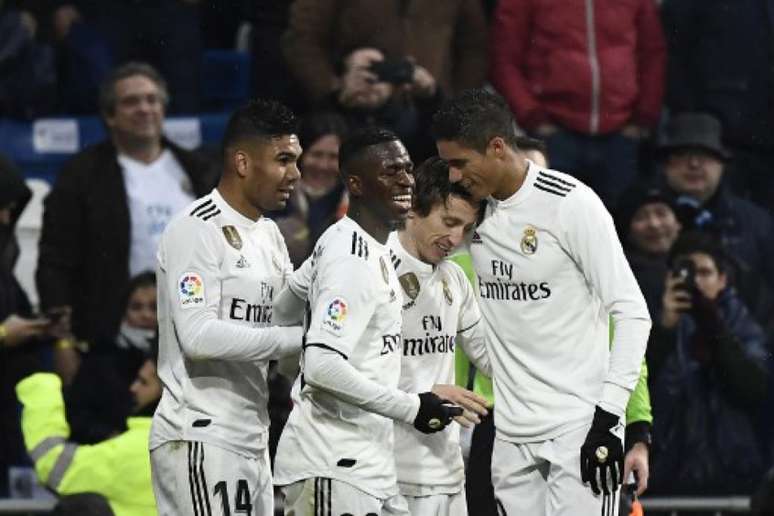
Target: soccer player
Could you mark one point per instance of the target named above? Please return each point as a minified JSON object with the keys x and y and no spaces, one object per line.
{"x":440,"y":312}
{"x":551,"y":272}
{"x":220,"y":263}
{"x":335,"y":455}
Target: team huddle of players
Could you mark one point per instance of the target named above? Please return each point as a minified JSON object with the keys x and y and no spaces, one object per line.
{"x":369,"y":325}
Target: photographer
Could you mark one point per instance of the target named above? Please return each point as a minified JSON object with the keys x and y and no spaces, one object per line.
{"x":385,"y":63}
{"x":708,"y":358}
{"x":397,"y":94}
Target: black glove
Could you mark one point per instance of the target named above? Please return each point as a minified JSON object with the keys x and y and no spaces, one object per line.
{"x":434,"y":413}
{"x":602,"y":456}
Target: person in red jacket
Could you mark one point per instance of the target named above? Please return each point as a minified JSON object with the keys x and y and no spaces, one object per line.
{"x":587,"y":76}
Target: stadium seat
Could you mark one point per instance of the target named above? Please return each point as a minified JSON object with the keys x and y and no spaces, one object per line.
{"x":225,"y":79}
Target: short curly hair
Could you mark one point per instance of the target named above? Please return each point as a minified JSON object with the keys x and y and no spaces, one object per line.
{"x":259,"y":118}
{"x":358,"y":141}
{"x":474,"y":118}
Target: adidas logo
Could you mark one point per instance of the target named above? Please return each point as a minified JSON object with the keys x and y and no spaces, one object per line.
{"x":242,"y":263}
{"x":476,"y":238}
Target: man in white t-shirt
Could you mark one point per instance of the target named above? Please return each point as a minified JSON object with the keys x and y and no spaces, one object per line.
{"x":220,"y":265}
{"x":335,"y":455}
{"x":551,"y":273}
{"x":110,"y":202}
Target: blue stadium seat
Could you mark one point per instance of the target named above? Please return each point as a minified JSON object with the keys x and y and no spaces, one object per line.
{"x":40,"y":147}
{"x":225,"y":79}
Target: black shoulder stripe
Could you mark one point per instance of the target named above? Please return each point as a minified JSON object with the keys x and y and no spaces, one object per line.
{"x":551,"y":184}
{"x":324,"y":346}
{"x":566,"y":183}
{"x":202,"y":205}
{"x":395,"y":260}
{"x":539,"y":187}
{"x":359,"y":246}
{"x":208,"y":217}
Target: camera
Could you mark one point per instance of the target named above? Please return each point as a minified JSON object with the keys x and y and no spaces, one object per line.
{"x":685,"y":270}
{"x":394,"y":71}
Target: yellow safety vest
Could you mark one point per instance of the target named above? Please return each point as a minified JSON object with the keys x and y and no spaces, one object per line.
{"x":118,"y":468}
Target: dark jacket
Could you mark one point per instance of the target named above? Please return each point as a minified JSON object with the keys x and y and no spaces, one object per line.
{"x":651,"y":272}
{"x":543,"y":62}
{"x":721,"y":61}
{"x":14,"y":362}
{"x":84,"y":245}
{"x":448,"y":38}
{"x":709,"y":379}
{"x":745,"y":230}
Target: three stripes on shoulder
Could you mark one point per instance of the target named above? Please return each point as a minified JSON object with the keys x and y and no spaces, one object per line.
{"x":205,"y":210}
{"x":553,"y":185}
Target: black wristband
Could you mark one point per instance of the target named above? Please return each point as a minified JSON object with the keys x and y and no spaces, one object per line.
{"x":638,"y":432}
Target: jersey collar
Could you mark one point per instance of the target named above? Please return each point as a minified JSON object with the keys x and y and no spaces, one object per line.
{"x":231,"y":214}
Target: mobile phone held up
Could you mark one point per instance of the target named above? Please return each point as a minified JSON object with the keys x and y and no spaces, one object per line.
{"x":394,"y":71}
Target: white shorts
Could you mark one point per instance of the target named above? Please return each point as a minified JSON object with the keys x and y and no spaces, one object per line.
{"x":329,"y":497}
{"x":199,"y":479}
{"x":438,"y":505}
{"x":543,"y":479}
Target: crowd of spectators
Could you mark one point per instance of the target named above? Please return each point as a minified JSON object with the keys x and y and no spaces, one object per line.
{"x":664,"y":108}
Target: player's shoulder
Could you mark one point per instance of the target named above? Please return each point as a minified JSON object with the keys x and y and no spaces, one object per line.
{"x":454,"y":272}
{"x":345,"y":240}
{"x":561,"y":189}
{"x":199,"y":216}
{"x":554,"y":184}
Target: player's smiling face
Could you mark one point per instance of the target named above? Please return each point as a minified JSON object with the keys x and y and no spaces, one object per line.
{"x":443,"y":229}
{"x":473,"y":170}
{"x":273,"y":172}
{"x":390,"y":186}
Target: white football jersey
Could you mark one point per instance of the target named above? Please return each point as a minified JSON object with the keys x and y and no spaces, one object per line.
{"x":551,"y":272}
{"x":354,"y":308}
{"x":216,"y":264}
{"x":439,"y":311}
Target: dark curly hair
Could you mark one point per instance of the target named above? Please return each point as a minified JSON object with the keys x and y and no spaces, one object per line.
{"x":474,"y":118}
{"x":358,"y":141}
{"x":259,"y":118}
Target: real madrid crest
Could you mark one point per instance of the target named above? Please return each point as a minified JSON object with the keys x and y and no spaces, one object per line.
{"x":529,"y":242}
{"x":447,"y":295}
{"x":232,"y":237}
{"x":410,"y":284}
{"x":385,"y":272}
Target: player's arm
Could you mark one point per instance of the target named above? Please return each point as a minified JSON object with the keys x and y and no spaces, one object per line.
{"x":593,"y":243}
{"x":290,"y":304}
{"x":190,"y":257}
{"x":340,"y":312}
{"x":589,"y":234}
{"x":471,"y":334}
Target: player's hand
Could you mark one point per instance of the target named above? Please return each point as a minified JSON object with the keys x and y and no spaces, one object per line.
{"x":434,"y":414}
{"x":636,"y":462}
{"x":473,"y":405}
{"x":601,"y":456}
